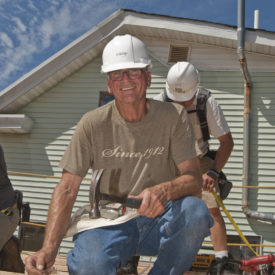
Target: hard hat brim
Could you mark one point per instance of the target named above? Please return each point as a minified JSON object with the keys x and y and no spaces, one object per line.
{"x":180,"y":97}
{"x":121,"y":66}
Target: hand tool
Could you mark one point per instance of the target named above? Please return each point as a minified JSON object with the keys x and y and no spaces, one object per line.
{"x":96,"y":196}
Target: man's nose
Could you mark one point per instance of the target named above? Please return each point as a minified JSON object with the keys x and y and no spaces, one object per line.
{"x":125,"y":74}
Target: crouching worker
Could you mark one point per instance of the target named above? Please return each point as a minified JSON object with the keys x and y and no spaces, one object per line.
{"x":182,"y":86}
{"x":10,"y":259}
{"x":147,"y":150}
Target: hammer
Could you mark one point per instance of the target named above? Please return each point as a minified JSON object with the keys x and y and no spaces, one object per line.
{"x":95,"y":196}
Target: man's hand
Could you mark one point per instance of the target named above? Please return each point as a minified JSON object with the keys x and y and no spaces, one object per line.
{"x":40,"y":263}
{"x":154,"y":200}
{"x":209,"y":180}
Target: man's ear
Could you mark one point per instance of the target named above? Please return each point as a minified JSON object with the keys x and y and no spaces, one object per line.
{"x":108,"y":86}
{"x":148,"y":79}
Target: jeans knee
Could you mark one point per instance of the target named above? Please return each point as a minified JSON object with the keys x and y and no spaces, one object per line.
{"x":96,"y":264}
{"x":198,"y":212}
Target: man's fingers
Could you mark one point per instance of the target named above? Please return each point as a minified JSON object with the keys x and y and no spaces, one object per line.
{"x":35,"y":265}
{"x":145,"y":203}
{"x":146,"y":206}
{"x":51,"y":270}
{"x":40,"y":262}
{"x":31,"y":262}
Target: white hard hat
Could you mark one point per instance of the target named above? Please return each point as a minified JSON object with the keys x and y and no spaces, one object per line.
{"x":124,"y":52}
{"x":182,"y":81}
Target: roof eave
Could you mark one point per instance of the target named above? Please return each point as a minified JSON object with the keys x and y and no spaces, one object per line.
{"x":56,"y":63}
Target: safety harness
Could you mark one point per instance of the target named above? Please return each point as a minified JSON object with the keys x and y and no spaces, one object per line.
{"x":202,"y":98}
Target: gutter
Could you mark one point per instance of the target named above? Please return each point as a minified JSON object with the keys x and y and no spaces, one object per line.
{"x":247,"y":89}
{"x":15,"y":124}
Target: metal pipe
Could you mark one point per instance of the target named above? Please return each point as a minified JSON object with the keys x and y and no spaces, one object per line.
{"x":240,"y":29}
{"x":240,"y":51}
{"x":247,"y":88}
{"x":256,"y":19}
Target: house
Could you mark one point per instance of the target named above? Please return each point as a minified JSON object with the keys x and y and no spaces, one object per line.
{"x":39,"y":112}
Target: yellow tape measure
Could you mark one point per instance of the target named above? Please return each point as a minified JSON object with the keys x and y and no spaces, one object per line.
{"x":233,"y":223}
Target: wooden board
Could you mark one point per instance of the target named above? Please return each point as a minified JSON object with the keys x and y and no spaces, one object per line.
{"x":62,"y":269}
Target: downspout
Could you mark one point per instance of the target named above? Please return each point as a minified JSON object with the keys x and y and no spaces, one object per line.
{"x":247,"y":88}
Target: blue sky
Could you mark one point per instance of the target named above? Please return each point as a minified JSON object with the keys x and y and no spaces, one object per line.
{"x":33,"y":30}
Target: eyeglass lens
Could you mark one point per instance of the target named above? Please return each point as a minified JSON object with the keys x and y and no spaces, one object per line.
{"x":132,"y":74}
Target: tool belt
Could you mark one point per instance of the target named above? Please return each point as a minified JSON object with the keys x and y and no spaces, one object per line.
{"x":17,"y":205}
{"x":9,"y":210}
{"x":224,"y":184}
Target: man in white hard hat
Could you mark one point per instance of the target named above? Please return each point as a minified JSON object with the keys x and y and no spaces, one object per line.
{"x":144,"y":155}
{"x":182,"y":86}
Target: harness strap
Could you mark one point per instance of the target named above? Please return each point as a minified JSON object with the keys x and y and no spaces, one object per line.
{"x":203,"y":95}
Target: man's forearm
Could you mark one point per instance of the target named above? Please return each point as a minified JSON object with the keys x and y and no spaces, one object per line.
{"x":155,"y":198}
{"x":224,"y":152}
{"x":220,"y":161}
{"x":59,"y":215}
{"x":189,"y":184}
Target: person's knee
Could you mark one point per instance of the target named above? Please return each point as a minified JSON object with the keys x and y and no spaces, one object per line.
{"x":199,"y":212}
{"x":189,"y":212}
{"x":215,"y":212}
{"x":217,"y":216}
{"x":197,"y":206}
{"x":96,"y":264}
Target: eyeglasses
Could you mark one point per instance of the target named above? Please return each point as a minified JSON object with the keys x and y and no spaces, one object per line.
{"x":132,"y":74}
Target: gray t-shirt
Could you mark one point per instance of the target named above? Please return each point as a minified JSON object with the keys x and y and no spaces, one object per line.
{"x":133,"y":155}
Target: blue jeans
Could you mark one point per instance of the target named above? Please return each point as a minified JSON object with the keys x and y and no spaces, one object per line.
{"x":174,"y":237}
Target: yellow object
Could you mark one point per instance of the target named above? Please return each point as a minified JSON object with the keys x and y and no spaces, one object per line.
{"x":34,"y":224}
{"x":233,"y":223}
{"x":243,"y":244}
{"x":203,"y":261}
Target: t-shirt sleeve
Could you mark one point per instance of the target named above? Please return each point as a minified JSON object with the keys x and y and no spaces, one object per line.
{"x":215,"y":118}
{"x":78,"y":157}
{"x":184,"y":145}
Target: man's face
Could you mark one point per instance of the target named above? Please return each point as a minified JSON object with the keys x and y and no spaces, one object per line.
{"x":128,"y":85}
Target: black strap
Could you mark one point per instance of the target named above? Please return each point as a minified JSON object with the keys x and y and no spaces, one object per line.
{"x":202,"y":98}
{"x":19,"y":200}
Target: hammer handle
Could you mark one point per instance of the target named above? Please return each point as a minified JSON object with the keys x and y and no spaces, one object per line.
{"x":133,"y":203}
{"x":130,"y":202}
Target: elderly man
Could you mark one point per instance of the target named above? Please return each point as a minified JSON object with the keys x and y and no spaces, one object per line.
{"x":145,"y":154}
